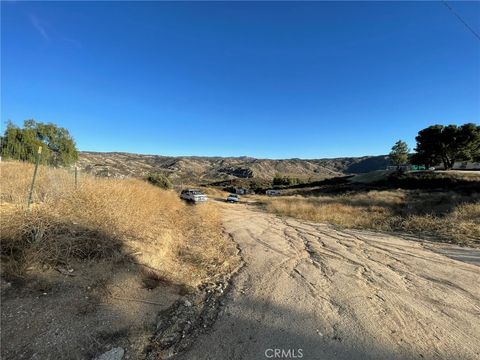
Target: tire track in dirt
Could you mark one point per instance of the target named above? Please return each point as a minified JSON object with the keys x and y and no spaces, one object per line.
{"x":341,"y":294}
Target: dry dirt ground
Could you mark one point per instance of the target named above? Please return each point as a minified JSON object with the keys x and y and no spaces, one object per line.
{"x":305,"y":291}
{"x":315,"y":292}
{"x":61,"y":317}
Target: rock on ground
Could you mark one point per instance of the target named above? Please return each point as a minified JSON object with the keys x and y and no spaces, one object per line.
{"x":113,"y":354}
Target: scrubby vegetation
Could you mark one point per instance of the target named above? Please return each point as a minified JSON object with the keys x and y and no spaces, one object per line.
{"x":280,"y":179}
{"x":443,"y":216}
{"x":109,"y":219}
{"x":441,"y":180}
{"x":160,"y":180}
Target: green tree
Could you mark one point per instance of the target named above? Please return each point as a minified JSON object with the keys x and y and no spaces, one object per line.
{"x":58,"y":147}
{"x":160,"y":180}
{"x":278,"y":179}
{"x":468,"y":138}
{"x":399,"y":153}
{"x":447,"y":144}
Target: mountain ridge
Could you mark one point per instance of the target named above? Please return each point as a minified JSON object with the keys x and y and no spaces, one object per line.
{"x":215,"y":168}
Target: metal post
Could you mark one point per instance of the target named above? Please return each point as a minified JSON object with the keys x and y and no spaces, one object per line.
{"x":34,"y":176}
{"x":76,"y":176}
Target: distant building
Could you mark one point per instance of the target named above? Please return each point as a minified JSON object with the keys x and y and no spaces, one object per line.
{"x":407,"y":167}
{"x":466,"y":165}
{"x":461,"y":165}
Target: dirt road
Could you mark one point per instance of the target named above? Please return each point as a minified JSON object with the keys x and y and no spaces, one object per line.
{"x":310,"y":291}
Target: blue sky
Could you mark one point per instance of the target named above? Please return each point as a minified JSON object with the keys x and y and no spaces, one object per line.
{"x":264,"y":79}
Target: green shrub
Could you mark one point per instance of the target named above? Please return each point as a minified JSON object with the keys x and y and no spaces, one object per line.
{"x":285,"y":180}
{"x":160,"y":180}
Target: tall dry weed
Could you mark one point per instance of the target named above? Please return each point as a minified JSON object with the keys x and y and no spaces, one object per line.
{"x":108,"y":219}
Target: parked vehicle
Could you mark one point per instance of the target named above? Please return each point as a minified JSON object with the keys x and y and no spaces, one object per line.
{"x":272,"y":192}
{"x":233,"y":198}
{"x":193,"y":195}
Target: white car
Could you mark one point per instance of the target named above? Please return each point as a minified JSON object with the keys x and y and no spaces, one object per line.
{"x":233,"y":198}
{"x":193,"y":195}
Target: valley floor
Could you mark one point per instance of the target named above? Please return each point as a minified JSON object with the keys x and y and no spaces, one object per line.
{"x":310,"y":291}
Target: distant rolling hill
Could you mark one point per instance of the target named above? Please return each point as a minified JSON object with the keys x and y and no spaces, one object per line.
{"x":206,"y":169}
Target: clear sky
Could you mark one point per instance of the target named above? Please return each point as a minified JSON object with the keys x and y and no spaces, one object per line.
{"x":264,"y":79}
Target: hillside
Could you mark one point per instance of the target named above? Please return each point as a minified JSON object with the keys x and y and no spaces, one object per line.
{"x":193,"y":168}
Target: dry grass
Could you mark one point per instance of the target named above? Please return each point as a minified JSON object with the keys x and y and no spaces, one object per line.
{"x":447,"y":216}
{"x":114,"y":219}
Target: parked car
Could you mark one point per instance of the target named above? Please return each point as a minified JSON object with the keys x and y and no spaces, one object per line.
{"x":193,"y":195}
{"x":233,"y":198}
{"x":272,"y":192}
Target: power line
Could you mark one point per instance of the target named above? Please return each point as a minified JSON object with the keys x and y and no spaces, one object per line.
{"x":460,"y":18}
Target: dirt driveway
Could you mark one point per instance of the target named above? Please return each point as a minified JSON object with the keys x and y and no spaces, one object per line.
{"x":310,"y":291}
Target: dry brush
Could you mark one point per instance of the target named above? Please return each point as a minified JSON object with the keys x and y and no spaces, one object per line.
{"x":107,"y":219}
{"x":441,"y":216}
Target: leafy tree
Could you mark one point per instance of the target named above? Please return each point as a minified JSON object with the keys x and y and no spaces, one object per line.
{"x":447,"y":144}
{"x":58,"y":147}
{"x":399,"y":153}
{"x":468,"y":138}
{"x":160,"y":180}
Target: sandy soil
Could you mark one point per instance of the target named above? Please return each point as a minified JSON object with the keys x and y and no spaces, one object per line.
{"x":313,"y":292}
